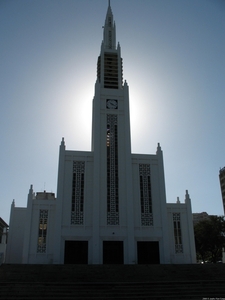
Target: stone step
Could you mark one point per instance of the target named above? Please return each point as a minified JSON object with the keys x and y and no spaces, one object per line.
{"x":110,"y":273}
{"x":136,"y":282}
{"x":111,"y":291}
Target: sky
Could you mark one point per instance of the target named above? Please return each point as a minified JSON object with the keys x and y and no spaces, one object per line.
{"x":174,"y":63}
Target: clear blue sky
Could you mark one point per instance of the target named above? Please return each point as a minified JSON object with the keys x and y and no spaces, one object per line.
{"x":174,"y":63}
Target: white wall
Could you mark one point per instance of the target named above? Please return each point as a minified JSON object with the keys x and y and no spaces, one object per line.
{"x":33,"y":256}
{"x":189,"y":254}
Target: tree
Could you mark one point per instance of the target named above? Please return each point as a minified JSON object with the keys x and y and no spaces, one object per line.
{"x":210,"y":238}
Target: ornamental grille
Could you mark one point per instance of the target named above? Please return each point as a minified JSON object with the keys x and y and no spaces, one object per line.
{"x":77,"y":209}
{"x":145,"y":195}
{"x":42,"y":231}
{"x":112,"y":171}
{"x":177,"y":233}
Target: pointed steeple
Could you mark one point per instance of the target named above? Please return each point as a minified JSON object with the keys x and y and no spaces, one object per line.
{"x":110,"y":63}
{"x":187,"y":197}
{"x":31,"y":189}
{"x":62,"y":145}
{"x":159,"y":150}
{"x":109,"y":35}
{"x":62,"y":142}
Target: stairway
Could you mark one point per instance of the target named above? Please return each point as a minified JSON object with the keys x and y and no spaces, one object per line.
{"x":111,"y":282}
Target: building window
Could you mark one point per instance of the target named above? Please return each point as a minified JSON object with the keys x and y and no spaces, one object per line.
{"x":42,"y":232}
{"x":112,"y":171}
{"x":77,"y":209}
{"x":177,"y":233}
{"x":145,"y":195}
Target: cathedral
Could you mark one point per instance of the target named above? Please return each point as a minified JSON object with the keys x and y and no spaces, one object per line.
{"x":111,"y":204}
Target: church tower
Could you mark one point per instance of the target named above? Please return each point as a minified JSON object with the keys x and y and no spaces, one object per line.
{"x":111,"y":204}
{"x":111,"y":144}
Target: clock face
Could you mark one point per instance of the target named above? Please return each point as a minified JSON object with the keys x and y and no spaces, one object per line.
{"x":111,"y":104}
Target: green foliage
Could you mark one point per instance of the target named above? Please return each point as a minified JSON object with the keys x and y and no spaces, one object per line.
{"x":210,"y":238}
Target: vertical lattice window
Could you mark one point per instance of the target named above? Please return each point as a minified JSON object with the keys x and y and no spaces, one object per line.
{"x":77,"y":209}
{"x":177,"y":233}
{"x":112,"y":171}
{"x":42,"y":231}
{"x":145,"y":195}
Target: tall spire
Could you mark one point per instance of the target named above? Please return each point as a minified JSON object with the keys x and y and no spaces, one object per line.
{"x":109,"y":36}
{"x":110,"y":65}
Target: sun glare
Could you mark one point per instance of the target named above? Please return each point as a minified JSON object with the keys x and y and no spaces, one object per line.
{"x":144,"y":114}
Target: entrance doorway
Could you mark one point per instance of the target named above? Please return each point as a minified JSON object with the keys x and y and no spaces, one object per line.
{"x":113,"y":252}
{"x":76,"y":252}
{"x":148,"y":252}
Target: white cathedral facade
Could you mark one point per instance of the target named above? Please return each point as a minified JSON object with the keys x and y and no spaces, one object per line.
{"x":111,"y":204}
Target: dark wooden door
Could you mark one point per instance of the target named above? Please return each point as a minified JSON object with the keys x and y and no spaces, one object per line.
{"x":148,"y":252}
{"x":112,"y":252}
{"x":76,"y":252}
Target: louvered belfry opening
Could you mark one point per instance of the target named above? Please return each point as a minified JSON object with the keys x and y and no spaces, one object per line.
{"x":111,"y":70}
